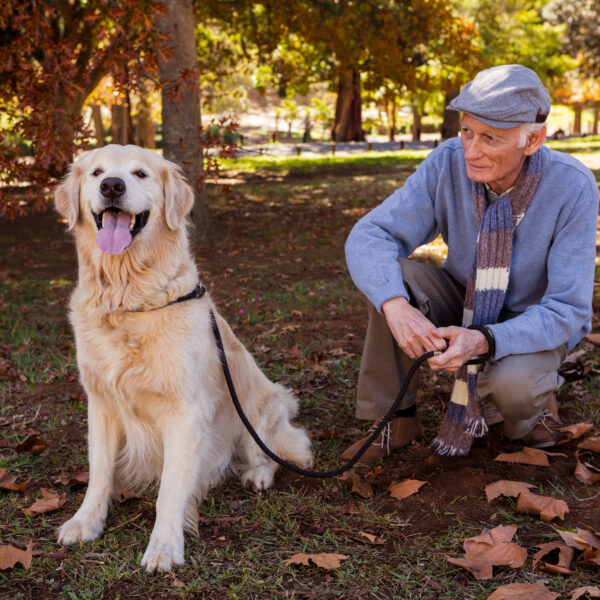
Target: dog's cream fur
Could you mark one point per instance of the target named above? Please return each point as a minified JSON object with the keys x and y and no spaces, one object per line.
{"x":158,"y":407}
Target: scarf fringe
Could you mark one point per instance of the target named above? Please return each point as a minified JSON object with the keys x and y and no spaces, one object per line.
{"x":476,"y":427}
{"x":446,"y":449}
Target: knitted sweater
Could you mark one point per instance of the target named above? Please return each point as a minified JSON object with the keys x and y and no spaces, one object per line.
{"x":554,"y":246}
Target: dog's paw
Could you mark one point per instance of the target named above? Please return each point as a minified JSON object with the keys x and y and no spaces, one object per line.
{"x":259,"y":477}
{"x":162,"y":555}
{"x":79,"y":529}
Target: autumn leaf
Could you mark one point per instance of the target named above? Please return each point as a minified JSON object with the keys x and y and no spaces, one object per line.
{"x":591,"y":443}
{"x":546,"y":507}
{"x":528,"y":456}
{"x":574,"y":431}
{"x":78,"y":479}
{"x":323,"y":560}
{"x":594,"y":338}
{"x":368,"y":538}
{"x":10,"y":556}
{"x":586,"y":540}
{"x":47,"y":503}
{"x":33,"y":444}
{"x":7,"y":482}
{"x":370,"y":476}
{"x":588,"y":591}
{"x":505,"y":487}
{"x":360,"y":485}
{"x":406,"y":488}
{"x":523,"y":591}
{"x":490,"y":548}
{"x":547,"y":551}
{"x":583,"y":471}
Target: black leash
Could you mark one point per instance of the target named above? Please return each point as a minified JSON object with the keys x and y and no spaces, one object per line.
{"x":284,"y":463}
{"x":199,"y":291}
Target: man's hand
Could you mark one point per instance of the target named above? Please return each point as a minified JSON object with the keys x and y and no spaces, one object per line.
{"x":412,"y":330}
{"x":463,"y":345}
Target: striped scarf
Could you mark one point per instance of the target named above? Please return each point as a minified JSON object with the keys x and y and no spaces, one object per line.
{"x":484,"y":298}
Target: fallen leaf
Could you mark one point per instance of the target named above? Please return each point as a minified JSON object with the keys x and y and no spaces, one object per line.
{"x":591,"y":443}
{"x":406,"y":488}
{"x":546,"y":507}
{"x":480,"y":569}
{"x":360,"y":485}
{"x":370,"y":476}
{"x":78,"y":479}
{"x":489,"y":548}
{"x":594,"y":338}
{"x":554,"y":557}
{"x":583,"y":539}
{"x":33,"y":444}
{"x":523,"y":591}
{"x":588,"y":591}
{"x":10,"y":556}
{"x":368,"y":538}
{"x":574,"y":431}
{"x":352,"y":510}
{"x":583,"y":472}
{"x":506,"y":488}
{"x":7,"y":482}
{"x":47,"y":503}
{"x":527,"y":456}
{"x":591,"y":557}
{"x":323,"y":560}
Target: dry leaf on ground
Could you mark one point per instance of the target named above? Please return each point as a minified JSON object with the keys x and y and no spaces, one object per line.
{"x":574,"y":431}
{"x":491,"y":548}
{"x":523,"y":591}
{"x":33,"y":444}
{"x":554,"y":557}
{"x":370,"y":476}
{"x":546,"y":507}
{"x":583,"y":539}
{"x":322,"y":559}
{"x":360,"y":485}
{"x":10,"y":556}
{"x":368,"y":538}
{"x":527,"y":456}
{"x":81,"y":478}
{"x":588,"y":591}
{"x":406,"y":488}
{"x":594,"y":338}
{"x":583,"y":471}
{"x":504,"y":487}
{"x":47,"y":503}
{"x":7,"y":482}
{"x":591,"y":443}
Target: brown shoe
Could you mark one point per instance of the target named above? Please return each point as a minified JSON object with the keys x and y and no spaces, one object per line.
{"x":546,"y":433}
{"x":399,"y":432}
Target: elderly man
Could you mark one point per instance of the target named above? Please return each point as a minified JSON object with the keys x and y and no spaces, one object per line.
{"x":516,"y":287}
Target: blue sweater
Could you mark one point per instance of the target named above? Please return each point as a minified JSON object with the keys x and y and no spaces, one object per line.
{"x":554,"y":246}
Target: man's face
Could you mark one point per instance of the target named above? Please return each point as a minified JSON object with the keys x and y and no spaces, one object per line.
{"x":492,"y":155}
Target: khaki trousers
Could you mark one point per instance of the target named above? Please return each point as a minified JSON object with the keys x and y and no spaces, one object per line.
{"x":520,"y":386}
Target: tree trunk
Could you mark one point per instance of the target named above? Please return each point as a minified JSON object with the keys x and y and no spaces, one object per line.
{"x":577,"y":109}
{"x":451,"y":123}
{"x":390,"y":109}
{"x":416,"y":125}
{"x":347,"y":126}
{"x":98,"y":127}
{"x":596,"y":119}
{"x":182,"y":141}
{"x":119,"y":124}
{"x":145,"y":129}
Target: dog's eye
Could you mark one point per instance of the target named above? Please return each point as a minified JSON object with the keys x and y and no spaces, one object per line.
{"x":139,"y":173}
{"x":97,"y":172}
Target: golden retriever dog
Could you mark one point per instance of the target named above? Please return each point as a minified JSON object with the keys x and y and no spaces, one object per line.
{"x":158,"y":407}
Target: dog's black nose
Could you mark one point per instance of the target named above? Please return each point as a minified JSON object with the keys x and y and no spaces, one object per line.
{"x":112,"y":187}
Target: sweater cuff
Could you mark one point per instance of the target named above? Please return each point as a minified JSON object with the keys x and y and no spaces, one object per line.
{"x":502,"y":340}
{"x":383,"y":294}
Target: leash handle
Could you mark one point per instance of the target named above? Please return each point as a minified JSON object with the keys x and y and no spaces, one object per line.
{"x":284,"y":463}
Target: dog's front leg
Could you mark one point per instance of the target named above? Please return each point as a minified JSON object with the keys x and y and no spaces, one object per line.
{"x":88,"y":522}
{"x":182,"y":464}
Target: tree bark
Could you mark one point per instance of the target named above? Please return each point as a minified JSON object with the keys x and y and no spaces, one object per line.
{"x":596,"y":119}
{"x":416,"y":125}
{"x":98,"y":127}
{"x":347,"y":126}
{"x":182,"y":141}
{"x":451,"y":123}
{"x":577,"y":109}
{"x":390,"y":109}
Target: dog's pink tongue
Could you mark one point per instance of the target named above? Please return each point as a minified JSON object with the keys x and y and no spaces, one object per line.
{"x":114,"y":236}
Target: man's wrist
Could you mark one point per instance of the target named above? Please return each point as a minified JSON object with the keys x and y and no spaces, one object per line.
{"x":489,"y":337}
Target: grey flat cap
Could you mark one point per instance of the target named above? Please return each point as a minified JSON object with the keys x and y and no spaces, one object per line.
{"x":505,"y":96}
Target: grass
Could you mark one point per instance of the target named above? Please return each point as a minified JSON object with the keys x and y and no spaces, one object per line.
{"x":279,"y":278}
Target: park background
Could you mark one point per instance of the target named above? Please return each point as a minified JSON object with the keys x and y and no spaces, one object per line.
{"x":291,"y":120}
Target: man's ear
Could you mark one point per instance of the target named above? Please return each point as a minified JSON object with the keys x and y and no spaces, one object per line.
{"x":66,"y":196}
{"x":534,"y":140}
{"x":179,"y":196}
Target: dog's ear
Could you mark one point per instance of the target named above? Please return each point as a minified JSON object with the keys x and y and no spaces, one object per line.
{"x":179,"y":196}
{"x":66,"y":196}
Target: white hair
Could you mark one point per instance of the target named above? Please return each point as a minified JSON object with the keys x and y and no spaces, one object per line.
{"x":526,"y":130}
